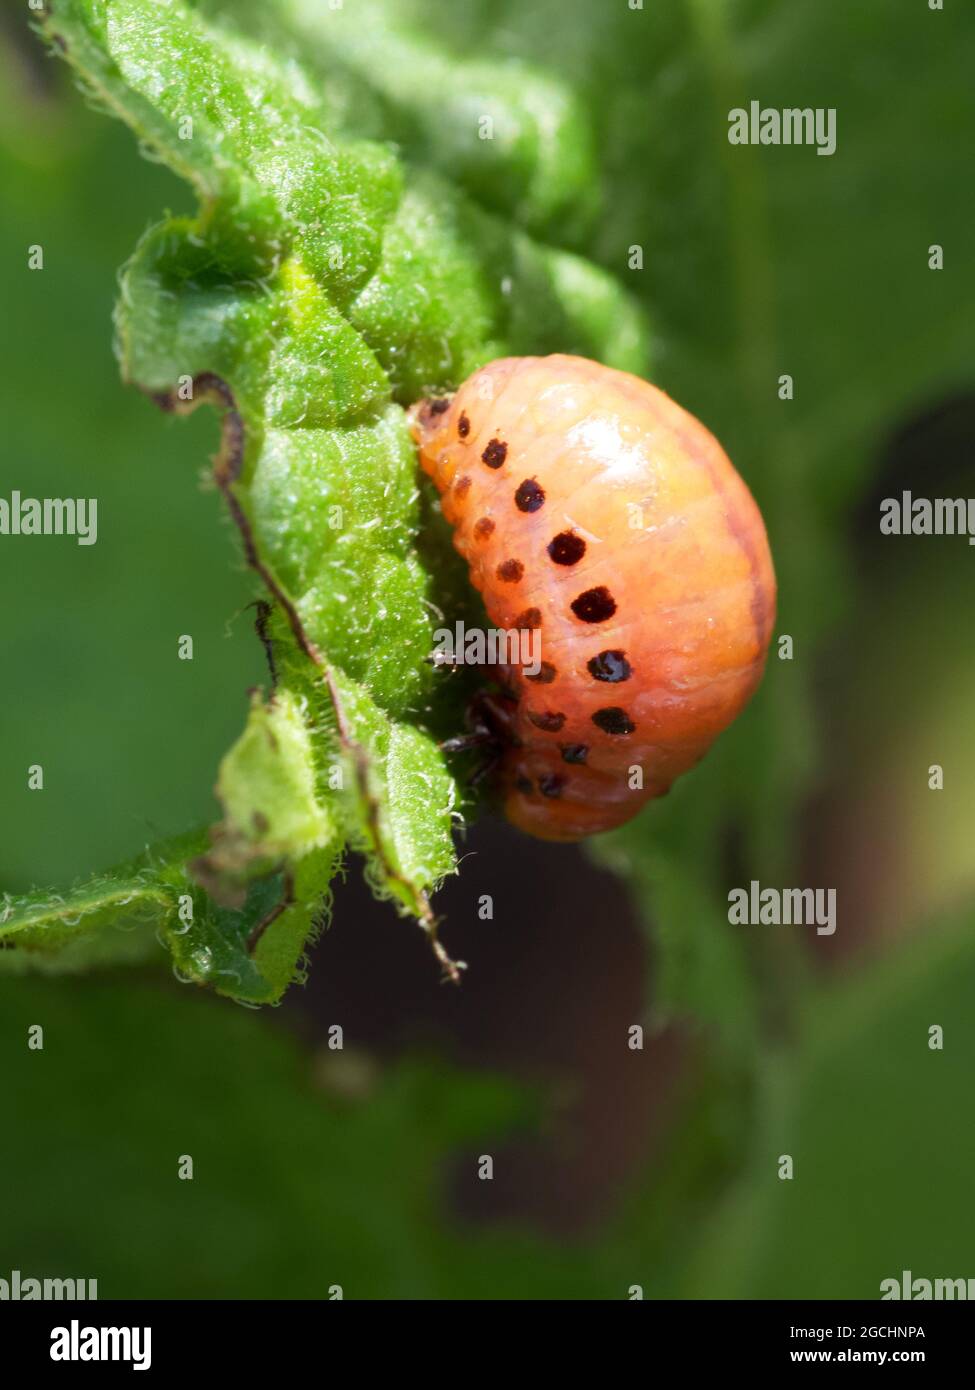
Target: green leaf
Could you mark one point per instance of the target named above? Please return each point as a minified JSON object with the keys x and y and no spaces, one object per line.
{"x":509,"y":134}
{"x":249,"y":950}
{"x":324,"y":284}
{"x":65,"y":931}
{"x":253,"y":951}
{"x":267,"y":789}
{"x":51,"y":932}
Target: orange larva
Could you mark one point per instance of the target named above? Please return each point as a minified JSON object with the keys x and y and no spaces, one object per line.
{"x":591,"y":507}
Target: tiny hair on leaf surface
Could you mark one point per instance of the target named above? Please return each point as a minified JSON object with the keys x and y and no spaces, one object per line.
{"x":324,"y":284}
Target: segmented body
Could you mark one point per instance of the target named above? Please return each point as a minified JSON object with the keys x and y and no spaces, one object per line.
{"x":593,"y":509}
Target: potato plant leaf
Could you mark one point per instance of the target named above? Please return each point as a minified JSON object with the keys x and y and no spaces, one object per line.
{"x":325,"y":283}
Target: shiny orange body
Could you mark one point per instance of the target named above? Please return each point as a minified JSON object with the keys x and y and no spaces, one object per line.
{"x":595,"y":511}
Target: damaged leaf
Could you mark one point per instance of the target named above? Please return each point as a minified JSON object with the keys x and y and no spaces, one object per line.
{"x":325,"y":283}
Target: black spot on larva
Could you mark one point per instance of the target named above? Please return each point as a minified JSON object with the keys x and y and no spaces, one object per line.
{"x":524,"y":786}
{"x":531,"y":617}
{"x":551,"y":785}
{"x":510,"y":571}
{"x":545,"y":674}
{"x":610,"y":666}
{"x":463,"y":425}
{"x":483,"y":528}
{"x":462,"y":486}
{"x":549,"y":722}
{"x":529,"y":496}
{"x":613,"y":720}
{"x":595,"y":605}
{"x":495,"y":454}
{"x":574,"y":752}
{"x":567,"y":548}
{"x":438,"y":405}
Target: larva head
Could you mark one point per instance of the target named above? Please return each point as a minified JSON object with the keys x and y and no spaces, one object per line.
{"x":596,"y":512}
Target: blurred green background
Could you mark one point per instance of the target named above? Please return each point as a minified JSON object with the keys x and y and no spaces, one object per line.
{"x":613,"y":1168}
